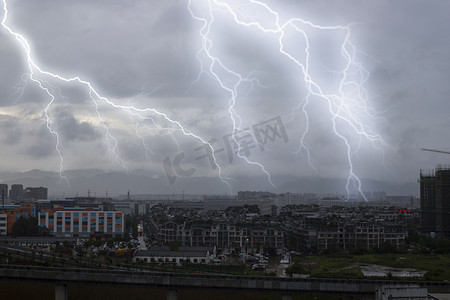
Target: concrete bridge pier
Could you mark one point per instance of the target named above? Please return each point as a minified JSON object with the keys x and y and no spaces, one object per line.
{"x":172,"y":294}
{"x":61,"y":292}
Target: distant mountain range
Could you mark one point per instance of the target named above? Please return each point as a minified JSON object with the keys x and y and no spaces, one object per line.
{"x":99,"y":183}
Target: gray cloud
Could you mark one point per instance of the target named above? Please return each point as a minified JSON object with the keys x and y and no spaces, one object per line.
{"x":13,"y":134}
{"x":42,"y":145}
{"x":71,"y":129}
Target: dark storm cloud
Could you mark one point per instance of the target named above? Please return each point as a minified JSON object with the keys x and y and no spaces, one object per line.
{"x":123,"y":48}
{"x":71,"y":129}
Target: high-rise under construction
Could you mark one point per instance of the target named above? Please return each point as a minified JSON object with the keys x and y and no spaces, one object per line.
{"x":435,"y":201}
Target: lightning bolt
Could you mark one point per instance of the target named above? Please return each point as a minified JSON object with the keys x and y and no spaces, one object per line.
{"x":235,"y":79}
{"x":347,"y":105}
{"x":37,"y":74}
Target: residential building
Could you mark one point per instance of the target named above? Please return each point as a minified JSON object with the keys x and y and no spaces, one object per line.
{"x":16,"y":192}
{"x":3,"y":191}
{"x":162,"y":254}
{"x":83,"y":222}
{"x":227,"y":236}
{"x":3,"y":224}
{"x":332,"y":201}
{"x":443,"y":201}
{"x":76,"y":203}
{"x":428,"y":201}
{"x":361,"y":236}
{"x":346,"y":236}
{"x":14,"y":212}
{"x":35,"y":193}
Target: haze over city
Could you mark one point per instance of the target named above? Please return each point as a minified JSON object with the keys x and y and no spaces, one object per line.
{"x":149,"y":55}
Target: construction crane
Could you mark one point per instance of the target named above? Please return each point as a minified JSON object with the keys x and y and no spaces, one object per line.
{"x":433,"y":150}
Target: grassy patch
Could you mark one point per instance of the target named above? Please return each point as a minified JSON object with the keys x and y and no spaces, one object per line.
{"x":347,"y":266}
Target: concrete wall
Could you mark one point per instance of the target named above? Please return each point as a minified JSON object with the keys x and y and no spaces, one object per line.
{"x":410,"y":292}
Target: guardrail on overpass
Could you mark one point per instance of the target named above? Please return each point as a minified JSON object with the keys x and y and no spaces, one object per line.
{"x":173,"y":281}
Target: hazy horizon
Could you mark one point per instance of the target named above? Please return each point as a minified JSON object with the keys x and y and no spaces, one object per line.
{"x":139,"y":182}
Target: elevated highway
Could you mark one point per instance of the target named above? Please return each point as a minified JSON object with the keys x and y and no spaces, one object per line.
{"x":61,"y":277}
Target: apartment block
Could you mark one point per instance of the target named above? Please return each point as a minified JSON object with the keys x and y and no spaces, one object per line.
{"x":226,"y":236}
{"x":82,"y":222}
{"x":12,"y":213}
{"x":3,"y":191}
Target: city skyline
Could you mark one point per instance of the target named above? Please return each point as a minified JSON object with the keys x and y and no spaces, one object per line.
{"x":97,"y":183}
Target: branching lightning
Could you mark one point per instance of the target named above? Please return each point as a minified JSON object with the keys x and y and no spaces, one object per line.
{"x":231,"y":88}
{"x":346,"y":105}
{"x":37,"y":74}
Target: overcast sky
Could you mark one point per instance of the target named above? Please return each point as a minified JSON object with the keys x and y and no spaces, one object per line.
{"x":163,"y":66}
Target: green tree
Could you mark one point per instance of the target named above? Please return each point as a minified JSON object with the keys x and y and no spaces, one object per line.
{"x":131,"y":223}
{"x":25,"y":227}
{"x":110,"y":243}
{"x":174,"y":245}
{"x":386,"y":247}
